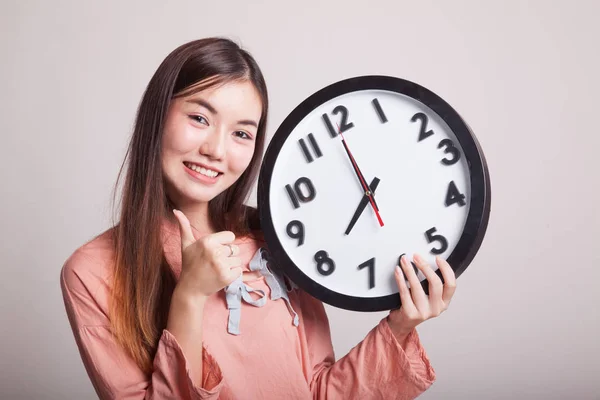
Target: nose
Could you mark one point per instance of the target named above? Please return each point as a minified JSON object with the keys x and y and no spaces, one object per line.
{"x":214,"y":145}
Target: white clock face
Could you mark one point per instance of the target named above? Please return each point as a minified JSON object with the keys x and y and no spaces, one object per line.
{"x":422,"y":194}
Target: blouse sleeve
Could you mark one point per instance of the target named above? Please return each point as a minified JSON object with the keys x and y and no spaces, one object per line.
{"x":113,"y":373}
{"x":376,"y":368}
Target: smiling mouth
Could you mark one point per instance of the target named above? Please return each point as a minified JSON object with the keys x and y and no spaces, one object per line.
{"x":201,"y":170}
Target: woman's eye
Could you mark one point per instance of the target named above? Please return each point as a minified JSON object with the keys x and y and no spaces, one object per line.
{"x":242,"y":134}
{"x":199,"y":118}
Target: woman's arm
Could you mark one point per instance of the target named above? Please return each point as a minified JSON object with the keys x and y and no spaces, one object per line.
{"x":182,"y":369}
{"x":185,"y":323}
{"x":390,"y":362}
{"x":379,"y":367}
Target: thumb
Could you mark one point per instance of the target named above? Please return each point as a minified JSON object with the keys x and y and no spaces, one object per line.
{"x":187,"y":236}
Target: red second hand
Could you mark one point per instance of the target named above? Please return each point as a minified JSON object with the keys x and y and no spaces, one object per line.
{"x":363,"y":183}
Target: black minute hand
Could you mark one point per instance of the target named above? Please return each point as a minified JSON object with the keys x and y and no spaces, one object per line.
{"x":363,"y":203}
{"x":361,"y":179}
{"x":359,"y":174}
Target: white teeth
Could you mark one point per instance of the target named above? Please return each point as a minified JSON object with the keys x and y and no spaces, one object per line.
{"x":202,"y":170}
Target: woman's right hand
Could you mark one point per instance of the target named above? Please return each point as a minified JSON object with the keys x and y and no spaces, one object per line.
{"x":207,"y":264}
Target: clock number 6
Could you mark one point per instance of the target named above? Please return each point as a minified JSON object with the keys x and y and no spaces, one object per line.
{"x":297,"y":195}
{"x":431,"y":237}
{"x":322,"y":259}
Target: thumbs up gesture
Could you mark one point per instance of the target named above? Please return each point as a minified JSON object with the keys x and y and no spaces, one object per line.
{"x":207,"y":264}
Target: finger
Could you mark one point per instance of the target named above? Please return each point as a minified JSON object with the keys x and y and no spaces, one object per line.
{"x":223,"y":237}
{"x":233,"y":262}
{"x":234,"y":274}
{"x":185,"y":228}
{"x":226,"y":251}
{"x":405,"y":299}
{"x":449,"y":279}
{"x":435,"y":284}
{"x":232,"y":250}
{"x":416,"y":290}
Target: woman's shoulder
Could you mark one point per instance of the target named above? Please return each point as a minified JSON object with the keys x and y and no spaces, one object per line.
{"x":90,"y":265}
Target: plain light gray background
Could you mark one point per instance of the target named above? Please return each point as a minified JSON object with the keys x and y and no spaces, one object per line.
{"x":524,"y":323}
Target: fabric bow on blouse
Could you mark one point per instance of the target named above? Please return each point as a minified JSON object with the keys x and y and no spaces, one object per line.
{"x":238,"y":291}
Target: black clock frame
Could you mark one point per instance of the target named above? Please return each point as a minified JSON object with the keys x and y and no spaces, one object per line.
{"x":480,"y":202}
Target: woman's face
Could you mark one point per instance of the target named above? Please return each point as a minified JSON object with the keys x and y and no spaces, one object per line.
{"x":209,"y":140}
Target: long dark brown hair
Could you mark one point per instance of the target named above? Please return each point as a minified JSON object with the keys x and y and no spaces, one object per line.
{"x":143,"y":282}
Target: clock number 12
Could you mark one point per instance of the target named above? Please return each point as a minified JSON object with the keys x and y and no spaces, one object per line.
{"x":344,"y":125}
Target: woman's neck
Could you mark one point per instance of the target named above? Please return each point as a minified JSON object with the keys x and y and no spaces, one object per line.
{"x":197,"y":214}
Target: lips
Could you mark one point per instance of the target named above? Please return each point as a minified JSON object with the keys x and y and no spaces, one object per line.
{"x":203,"y":169}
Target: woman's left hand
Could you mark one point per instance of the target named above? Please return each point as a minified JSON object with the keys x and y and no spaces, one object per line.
{"x":416,"y":305}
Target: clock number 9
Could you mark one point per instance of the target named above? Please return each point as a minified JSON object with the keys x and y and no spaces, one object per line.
{"x":436,"y":238}
{"x":298,"y":234}
{"x":322,"y":258}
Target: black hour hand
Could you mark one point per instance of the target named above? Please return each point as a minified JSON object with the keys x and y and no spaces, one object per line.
{"x":363,"y":203}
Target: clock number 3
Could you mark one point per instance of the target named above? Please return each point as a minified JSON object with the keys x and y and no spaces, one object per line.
{"x":325,"y":265}
{"x":296,"y":193}
{"x":449,"y":148}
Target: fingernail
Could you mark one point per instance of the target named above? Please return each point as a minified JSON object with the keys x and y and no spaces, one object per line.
{"x":417,"y":258}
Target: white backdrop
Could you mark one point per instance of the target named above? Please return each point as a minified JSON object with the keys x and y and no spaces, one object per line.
{"x":524,"y":322}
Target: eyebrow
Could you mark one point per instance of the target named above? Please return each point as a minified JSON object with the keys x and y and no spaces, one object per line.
{"x":209,"y":107}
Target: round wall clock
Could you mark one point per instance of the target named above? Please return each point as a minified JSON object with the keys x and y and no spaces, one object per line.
{"x":361,"y":172}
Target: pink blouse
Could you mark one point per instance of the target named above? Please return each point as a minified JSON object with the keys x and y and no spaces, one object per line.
{"x":270,"y":358}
